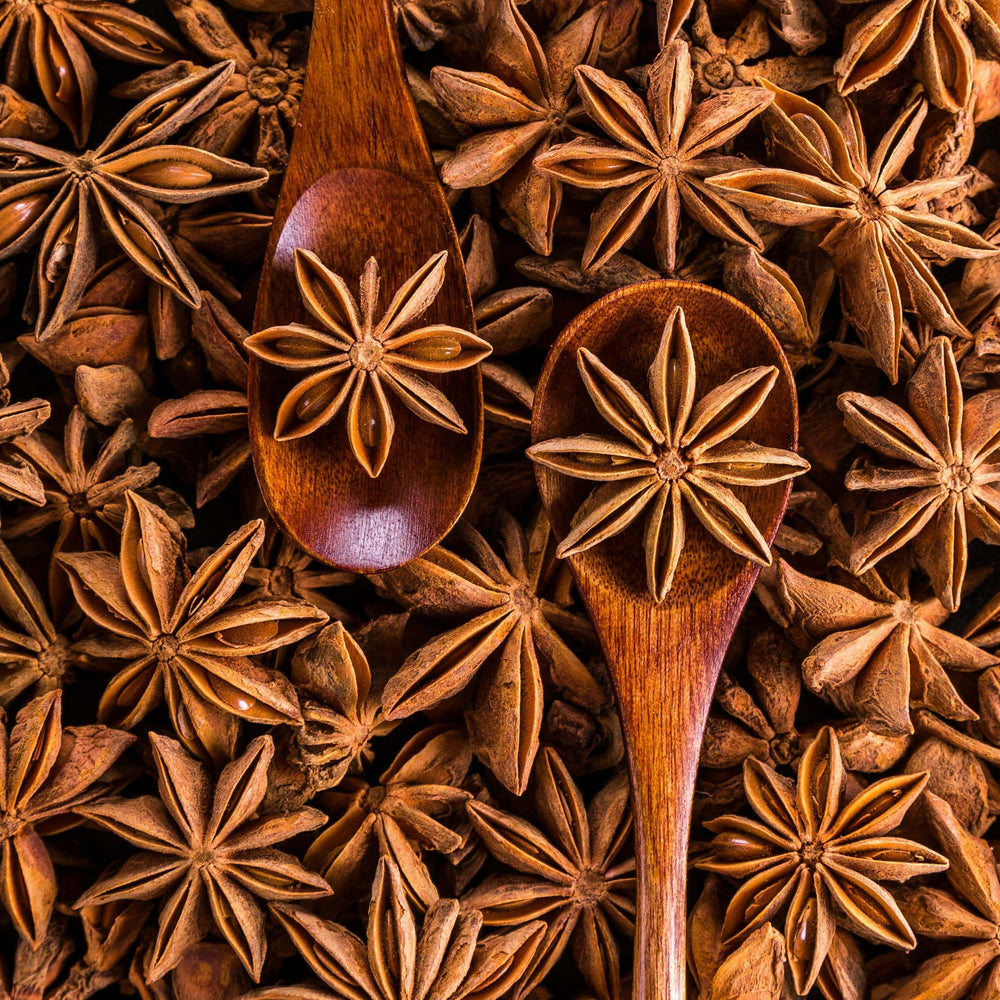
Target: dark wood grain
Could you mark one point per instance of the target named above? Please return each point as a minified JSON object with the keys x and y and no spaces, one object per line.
{"x":361,"y":183}
{"x":665,"y":658}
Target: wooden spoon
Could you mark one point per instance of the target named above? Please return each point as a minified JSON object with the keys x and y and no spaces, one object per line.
{"x":664,"y":658}
{"x":361,"y":183}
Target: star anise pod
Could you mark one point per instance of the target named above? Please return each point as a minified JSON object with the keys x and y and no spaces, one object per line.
{"x":34,"y":654}
{"x":658,"y":157}
{"x":341,"y":712}
{"x":878,"y":235}
{"x":887,"y":650}
{"x":45,"y":972}
{"x":411,"y":809}
{"x":509,"y":639}
{"x":187,"y":639}
{"x":445,"y":960}
{"x":207,"y":845}
{"x":62,"y":201}
{"x":46,"y":40}
{"x":670,"y":454}
{"x":965,"y":921}
{"x":721,"y":63}
{"x":19,"y":479}
{"x":817,"y":858}
{"x":940,"y":478}
{"x":355,"y":357}
{"x":935,"y":32}
{"x":521,"y":102}
{"x":262,"y":96}
{"x":47,"y":775}
{"x":578,"y":872}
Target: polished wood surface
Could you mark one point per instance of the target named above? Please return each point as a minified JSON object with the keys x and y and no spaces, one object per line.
{"x":361,"y":183}
{"x":665,"y":658}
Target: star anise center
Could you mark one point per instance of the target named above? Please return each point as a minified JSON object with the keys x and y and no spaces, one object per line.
{"x":784,"y":748}
{"x":366,"y":354}
{"x":54,"y":659}
{"x":78,"y":504}
{"x":671,"y":465}
{"x":720,"y":72}
{"x":670,"y":165}
{"x":166,"y":648}
{"x":956,"y":478}
{"x":267,"y":84}
{"x":869,"y":206}
{"x":591,"y":886}
{"x":10,"y":825}
{"x":523,"y":600}
{"x":811,"y":853}
{"x":202,"y":858}
{"x":281,"y":582}
{"x":905,"y":612}
{"x":374,"y":798}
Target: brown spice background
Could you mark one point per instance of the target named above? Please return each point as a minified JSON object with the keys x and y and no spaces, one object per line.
{"x":227,"y":770}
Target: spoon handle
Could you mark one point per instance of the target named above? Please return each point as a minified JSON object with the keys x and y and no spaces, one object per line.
{"x":356,"y":109}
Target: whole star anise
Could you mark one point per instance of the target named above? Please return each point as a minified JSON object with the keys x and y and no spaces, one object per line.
{"x":669,"y":456}
{"x":186,"y":638}
{"x":874,"y":227}
{"x":206,"y":844}
{"x":61,"y":201}
{"x":817,"y":858}
{"x":356,"y":357}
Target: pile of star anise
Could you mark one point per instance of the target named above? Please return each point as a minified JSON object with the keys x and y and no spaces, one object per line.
{"x":227,"y":770}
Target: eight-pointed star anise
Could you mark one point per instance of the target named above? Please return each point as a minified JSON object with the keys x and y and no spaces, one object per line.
{"x":47,"y":774}
{"x":207,"y":845}
{"x":58,"y":199}
{"x":941,"y":478}
{"x":657,"y":158}
{"x":817,"y":858}
{"x":187,"y":640}
{"x":669,"y":453}
{"x":880,"y":236}
{"x":355,"y":357}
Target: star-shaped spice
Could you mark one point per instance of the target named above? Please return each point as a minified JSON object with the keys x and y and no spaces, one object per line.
{"x":578,"y":873}
{"x":936,"y":32}
{"x":879,"y":235}
{"x":446,"y":959}
{"x":47,"y":774}
{"x":412,"y":808}
{"x":60,"y":200}
{"x":186,"y":639}
{"x":940,"y":480}
{"x":669,"y":455}
{"x":887,"y":650}
{"x":19,"y":479}
{"x":658,"y":157}
{"x":965,"y":922}
{"x":509,"y":638}
{"x":206,"y":844}
{"x":356,"y":357}
{"x":818,"y":859}
{"x":523,"y":100}
{"x":46,"y":40}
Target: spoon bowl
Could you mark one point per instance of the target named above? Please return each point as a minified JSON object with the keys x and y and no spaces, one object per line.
{"x":664,"y":657}
{"x":361,"y":183}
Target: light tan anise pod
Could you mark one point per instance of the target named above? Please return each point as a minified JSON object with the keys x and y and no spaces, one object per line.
{"x":356,"y":357}
{"x":62,"y":201}
{"x":47,"y":774}
{"x":880,"y":236}
{"x":818,"y":859}
{"x":206,"y":844}
{"x":509,"y":641}
{"x":577,"y":871}
{"x":658,"y":157}
{"x":186,"y":636}
{"x":671,"y":457}
{"x":445,"y":959}
{"x":939,"y":472}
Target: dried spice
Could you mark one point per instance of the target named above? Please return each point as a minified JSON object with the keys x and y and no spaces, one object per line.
{"x":205,"y":844}
{"x":812,"y":856}
{"x":671,"y":454}
{"x":356,"y":357}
